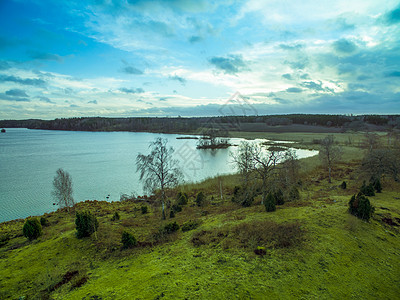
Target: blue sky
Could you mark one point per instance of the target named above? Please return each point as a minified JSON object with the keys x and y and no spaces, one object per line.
{"x":195,"y":58}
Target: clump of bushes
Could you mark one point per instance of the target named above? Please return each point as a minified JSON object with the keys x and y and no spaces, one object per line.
{"x":115,"y":217}
{"x":170,"y":228}
{"x":190,"y":225}
{"x":128,"y":240}
{"x":293,"y":194}
{"x":86,"y":223}
{"x":243,"y":196}
{"x":144,"y":209}
{"x":360,"y":207}
{"x":32,"y":229}
{"x":367,"y":190}
{"x":44,"y":222}
{"x":182,"y":198}
{"x":269,"y":202}
{"x":200,"y":199}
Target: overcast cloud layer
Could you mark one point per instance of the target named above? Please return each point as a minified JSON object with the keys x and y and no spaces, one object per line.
{"x":189,"y":58}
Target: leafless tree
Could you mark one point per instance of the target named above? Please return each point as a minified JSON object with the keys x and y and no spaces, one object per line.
{"x":62,"y":189}
{"x":244,"y":160}
{"x":329,"y":153}
{"x":159,"y":170}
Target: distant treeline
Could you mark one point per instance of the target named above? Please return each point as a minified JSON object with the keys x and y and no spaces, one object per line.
{"x":195,"y":124}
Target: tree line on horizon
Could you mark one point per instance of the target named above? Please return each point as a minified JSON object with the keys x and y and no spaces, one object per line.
{"x":193,"y":124}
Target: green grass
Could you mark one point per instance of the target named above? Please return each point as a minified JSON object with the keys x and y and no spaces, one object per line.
{"x":333,"y":255}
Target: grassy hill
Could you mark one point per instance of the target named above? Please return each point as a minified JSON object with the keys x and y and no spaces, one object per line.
{"x":311,"y":248}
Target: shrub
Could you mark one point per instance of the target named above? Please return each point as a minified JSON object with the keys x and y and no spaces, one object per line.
{"x":343,"y":186}
{"x":170,"y":228}
{"x":144,"y":209}
{"x":377,"y":185}
{"x":190,"y":225}
{"x":128,"y":240}
{"x":115,"y":217}
{"x":242,"y":196}
{"x":270,"y":203}
{"x":182,"y":198}
{"x":279,"y":199}
{"x":171,"y":214}
{"x":367,"y":190}
{"x":293,"y":194}
{"x":360,"y":207}
{"x":44,"y":222}
{"x":32,"y":229}
{"x":200,"y":199}
{"x":176,"y":208}
{"x":86,"y":223}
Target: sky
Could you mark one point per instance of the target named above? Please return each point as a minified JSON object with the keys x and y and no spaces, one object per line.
{"x":198,"y":58}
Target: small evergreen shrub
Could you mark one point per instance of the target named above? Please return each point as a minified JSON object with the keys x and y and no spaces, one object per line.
{"x":115,"y":217}
{"x":200,"y":199}
{"x":243,"y":196}
{"x":170,"y":228}
{"x":269,"y":202}
{"x":190,"y":225}
{"x":182,"y":198}
{"x":360,"y":207}
{"x":144,"y":209}
{"x":171,"y":214}
{"x":32,"y":229}
{"x":86,"y":223}
{"x":176,"y":208}
{"x":367,"y":190}
{"x":377,"y":185}
{"x":343,"y":186}
{"x":293,"y":194}
{"x":44,"y":222}
{"x":279,"y":198}
{"x":128,"y":240}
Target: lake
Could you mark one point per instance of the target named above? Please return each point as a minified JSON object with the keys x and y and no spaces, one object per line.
{"x":101,"y":164}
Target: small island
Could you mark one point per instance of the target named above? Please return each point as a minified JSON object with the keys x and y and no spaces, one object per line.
{"x":210,"y":141}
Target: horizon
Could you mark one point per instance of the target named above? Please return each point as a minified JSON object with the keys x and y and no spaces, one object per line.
{"x":121,"y":59}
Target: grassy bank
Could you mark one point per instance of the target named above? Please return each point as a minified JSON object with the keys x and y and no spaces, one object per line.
{"x":313,"y":247}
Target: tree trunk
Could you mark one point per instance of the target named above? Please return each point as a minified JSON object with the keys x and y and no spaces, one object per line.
{"x":264,"y":189}
{"x":163,"y":205}
{"x":330,"y":181}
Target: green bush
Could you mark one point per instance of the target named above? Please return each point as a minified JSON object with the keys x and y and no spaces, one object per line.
{"x":343,"y":186}
{"x":377,"y":185}
{"x":200,"y":199}
{"x":171,"y":214}
{"x":170,"y":228}
{"x":86,"y":223}
{"x":144,"y":209}
{"x":293,"y":194}
{"x":44,"y":222}
{"x":367,"y":190}
{"x":176,"y":208}
{"x":269,"y":202}
{"x":182,"y":198}
{"x":115,"y":217}
{"x":279,"y":198}
{"x":360,"y":207}
{"x":32,"y":229}
{"x":128,"y":240}
{"x":243,"y":196}
{"x":190,"y":225}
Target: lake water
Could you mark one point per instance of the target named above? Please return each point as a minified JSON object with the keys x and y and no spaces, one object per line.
{"x":101,"y":164}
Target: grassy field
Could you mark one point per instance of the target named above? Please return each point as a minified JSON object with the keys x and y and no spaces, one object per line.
{"x":313,"y":247}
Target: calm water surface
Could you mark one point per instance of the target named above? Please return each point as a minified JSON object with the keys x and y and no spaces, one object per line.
{"x":101,"y":164}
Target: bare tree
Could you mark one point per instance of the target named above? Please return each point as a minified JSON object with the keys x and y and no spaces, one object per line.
{"x":159,"y":170}
{"x":244,"y":159}
{"x":329,"y":153}
{"x":62,"y":189}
